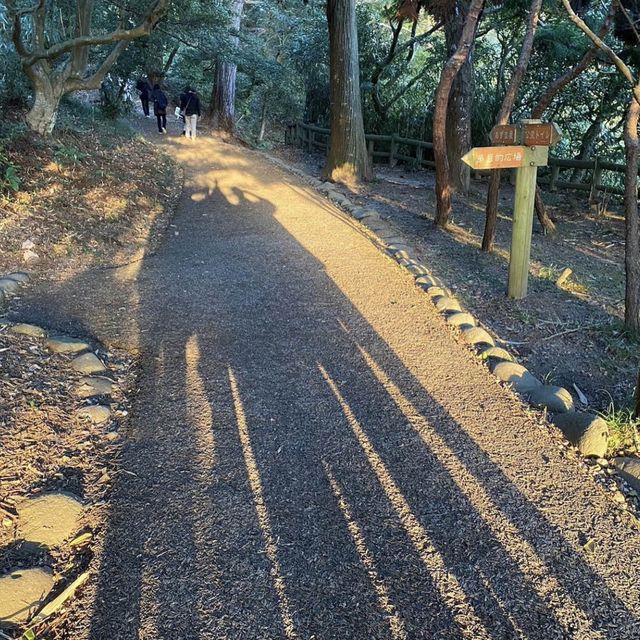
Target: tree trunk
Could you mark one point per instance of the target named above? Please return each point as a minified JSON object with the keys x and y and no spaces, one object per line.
{"x":544,"y":219}
{"x":632,"y":224}
{"x":503,"y":118}
{"x":347,"y":160}
{"x":224,"y":98}
{"x":501,"y":89}
{"x":447,"y":77}
{"x":587,"y":145}
{"x":223,"y":103}
{"x":43,"y":114}
{"x":636,"y":404}
{"x":459,"y":105}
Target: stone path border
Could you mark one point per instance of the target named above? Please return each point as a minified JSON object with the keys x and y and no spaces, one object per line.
{"x":40,"y":528}
{"x":586,"y":431}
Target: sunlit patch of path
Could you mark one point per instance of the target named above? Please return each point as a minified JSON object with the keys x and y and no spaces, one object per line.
{"x":255,"y":482}
{"x":447,"y":584}
{"x":545,"y":585}
{"x":396,"y":625}
{"x":199,"y":411}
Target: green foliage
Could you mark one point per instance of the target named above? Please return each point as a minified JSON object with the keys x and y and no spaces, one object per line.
{"x":623,"y":429}
{"x":9,"y":179}
{"x":68,"y":155}
{"x":11,"y":130}
{"x":14,"y":86}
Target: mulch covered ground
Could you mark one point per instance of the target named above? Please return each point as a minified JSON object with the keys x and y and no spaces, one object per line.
{"x":46,"y":447}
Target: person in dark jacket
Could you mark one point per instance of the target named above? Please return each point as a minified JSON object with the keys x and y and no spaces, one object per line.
{"x":144,"y":88}
{"x":160,"y":103}
{"x":190,"y":108}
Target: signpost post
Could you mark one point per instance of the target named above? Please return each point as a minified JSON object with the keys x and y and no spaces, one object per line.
{"x":532,"y":151}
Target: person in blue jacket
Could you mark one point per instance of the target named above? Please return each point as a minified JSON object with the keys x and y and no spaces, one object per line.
{"x":160,"y":102}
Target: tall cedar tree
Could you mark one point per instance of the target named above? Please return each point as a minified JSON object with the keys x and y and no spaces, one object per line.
{"x":223,"y":99}
{"x":347,"y":160}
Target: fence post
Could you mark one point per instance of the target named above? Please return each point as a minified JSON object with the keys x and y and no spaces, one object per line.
{"x":298,"y":135}
{"x":595,"y":180}
{"x":419,"y":152}
{"x":555,"y":172}
{"x":392,"y":150}
{"x":310,"y":141}
{"x":370,"y":147}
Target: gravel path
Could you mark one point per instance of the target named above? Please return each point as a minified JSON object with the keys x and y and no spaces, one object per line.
{"x":313,"y":455}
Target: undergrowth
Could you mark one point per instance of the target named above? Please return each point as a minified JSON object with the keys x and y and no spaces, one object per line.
{"x":623,"y":430}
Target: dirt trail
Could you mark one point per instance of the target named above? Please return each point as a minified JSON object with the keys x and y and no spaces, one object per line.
{"x":312,"y":455}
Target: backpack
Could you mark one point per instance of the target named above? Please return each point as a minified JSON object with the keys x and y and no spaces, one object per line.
{"x":161,"y":100}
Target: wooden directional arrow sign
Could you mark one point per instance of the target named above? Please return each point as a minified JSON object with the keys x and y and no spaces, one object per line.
{"x":529,"y":134}
{"x":504,"y":134}
{"x":534,"y":138}
{"x":506,"y":157}
{"x":540,"y":134}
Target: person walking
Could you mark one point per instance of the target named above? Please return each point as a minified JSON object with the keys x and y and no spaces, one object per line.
{"x":190,"y":108}
{"x":144,"y":88}
{"x":160,"y":103}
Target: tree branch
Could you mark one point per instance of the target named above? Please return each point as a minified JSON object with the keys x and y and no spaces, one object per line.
{"x":149,"y":21}
{"x":617,"y":61}
{"x":38,"y":22}
{"x":522,"y":64}
{"x":394,"y":51}
{"x":406,"y":87}
{"x":412,"y":49}
{"x":545,"y":100}
{"x":94,"y":81}
{"x":16,"y":34}
{"x":629,"y":20}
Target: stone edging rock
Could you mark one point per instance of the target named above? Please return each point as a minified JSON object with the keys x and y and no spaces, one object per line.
{"x":586,"y":431}
{"x":10,"y":285}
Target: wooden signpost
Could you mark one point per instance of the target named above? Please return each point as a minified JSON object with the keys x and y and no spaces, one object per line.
{"x":528,"y":149}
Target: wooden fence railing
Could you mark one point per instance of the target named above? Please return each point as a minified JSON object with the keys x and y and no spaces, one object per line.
{"x":390,"y":149}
